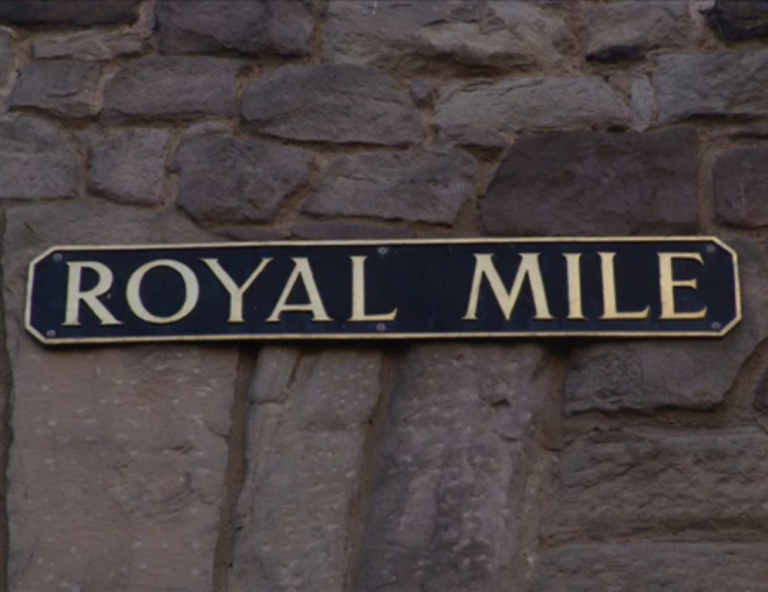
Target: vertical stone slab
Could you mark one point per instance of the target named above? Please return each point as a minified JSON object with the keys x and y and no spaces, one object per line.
{"x":447,"y":510}
{"x":305,"y":447}
{"x":118,"y":454}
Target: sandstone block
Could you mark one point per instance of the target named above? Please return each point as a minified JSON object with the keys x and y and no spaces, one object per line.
{"x":228,"y":180}
{"x":91,"y":46}
{"x":67,"y":89}
{"x":524,"y":104}
{"x":73,"y":12}
{"x":595,"y":184}
{"x":118,"y":457}
{"x":740,"y":182}
{"x":253,"y":27}
{"x":129,"y":167}
{"x":422,"y":33}
{"x":682,"y":486}
{"x":413,"y":186}
{"x":660,"y":566}
{"x":628,"y":29}
{"x":158,"y":87}
{"x":729,"y":84}
{"x":736,"y":20}
{"x":36,"y":161}
{"x":340,"y":104}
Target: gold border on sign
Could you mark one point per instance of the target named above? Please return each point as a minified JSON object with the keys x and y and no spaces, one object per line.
{"x":381,"y":336}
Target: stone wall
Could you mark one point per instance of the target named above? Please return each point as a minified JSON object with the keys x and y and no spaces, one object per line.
{"x":519,"y":466}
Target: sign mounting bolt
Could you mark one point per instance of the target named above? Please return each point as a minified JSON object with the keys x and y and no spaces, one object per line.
{"x":710,"y":248}
{"x":381,"y":327}
{"x":717,"y":326}
{"x":50,"y":333}
{"x":57,"y":257}
{"x":383,"y":250}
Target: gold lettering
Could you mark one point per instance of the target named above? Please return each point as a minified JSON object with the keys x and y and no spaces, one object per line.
{"x":358,"y":295}
{"x":301,"y":270}
{"x":575,"y":308}
{"x":610,"y":307}
{"x":191,"y":292}
{"x":668,"y":284}
{"x":529,"y":269}
{"x":235,"y":292}
{"x":75,"y":294}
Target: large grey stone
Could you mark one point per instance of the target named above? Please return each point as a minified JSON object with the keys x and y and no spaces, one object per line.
{"x":67,"y":89}
{"x":740,"y":180}
{"x":305,"y":450}
{"x":74,"y":12}
{"x":729,"y":84}
{"x":684,"y":486}
{"x":525,"y":104}
{"x":447,"y":508}
{"x":737,"y":20}
{"x":595,"y":184}
{"x":36,"y":161}
{"x":627,"y":29}
{"x":413,"y":186}
{"x":129,"y":167}
{"x":118,"y":456}
{"x":432,"y":33}
{"x":227,"y":180}
{"x":690,"y":374}
{"x":340,"y":104}
{"x":653,"y":566}
{"x":248,"y":26}
{"x":159,"y":87}
{"x":88,"y":46}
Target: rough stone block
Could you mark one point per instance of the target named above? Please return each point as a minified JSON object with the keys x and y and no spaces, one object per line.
{"x":740,"y":180}
{"x":680,"y":486}
{"x":413,"y":186}
{"x":251,"y":27}
{"x":7,"y":57}
{"x":660,"y":566}
{"x":233,"y":180}
{"x":307,"y":427}
{"x":91,"y":46}
{"x":693,"y":374}
{"x":525,"y":104}
{"x":423,"y":33}
{"x":729,"y":84}
{"x":739,"y":20}
{"x":449,"y":493}
{"x":67,"y":89}
{"x":129,"y":167}
{"x":626,"y":30}
{"x":73,"y":12}
{"x":118,"y":460}
{"x":36,"y":161}
{"x":340,"y":104}
{"x":595,"y":184}
{"x":159,"y":87}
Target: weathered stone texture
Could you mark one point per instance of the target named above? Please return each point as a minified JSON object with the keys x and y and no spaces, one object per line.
{"x":595,"y":184}
{"x":643,"y":103}
{"x":737,"y":20}
{"x":629,"y":568}
{"x":89,"y":46}
{"x":251,"y":27}
{"x":117,"y":465}
{"x":413,"y":186}
{"x":448,"y":498}
{"x":75,"y":12}
{"x":628,"y":29}
{"x":67,"y":89}
{"x":229,"y":180}
{"x":36,"y":161}
{"x":158,"y":87}
{"x":691,"y":374}
{"x":306,"y":435}
{"x":7,"y":58}
{"x":129,"y":167}
{"x":729,"y":84}
{"x":740,"y":179}
{"x":340,"y":104}
{"x":423,"y":33}
{"x":680,"y":486}
{"x":526,"y":104}
{"x":347,"y":231}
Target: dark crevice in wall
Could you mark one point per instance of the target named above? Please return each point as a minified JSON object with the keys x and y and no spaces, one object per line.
{"x":6,"y":435}
{"x":234,"y":477}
